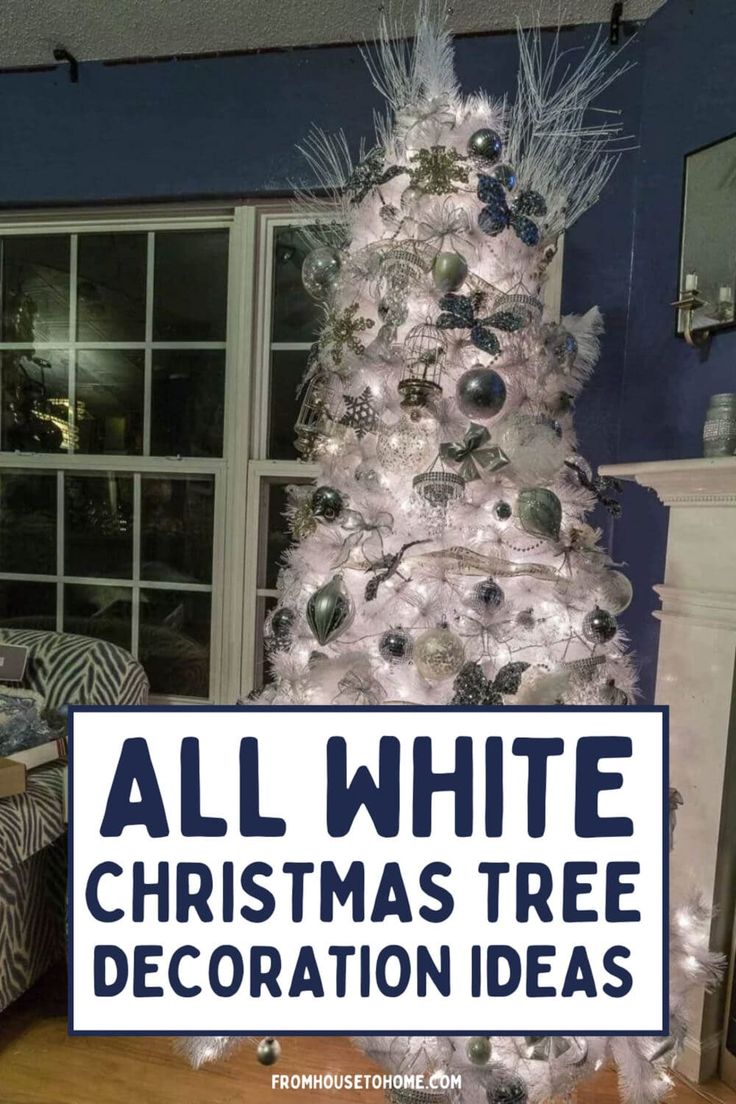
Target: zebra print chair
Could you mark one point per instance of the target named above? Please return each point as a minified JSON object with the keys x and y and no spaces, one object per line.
{"x":65,"y":669}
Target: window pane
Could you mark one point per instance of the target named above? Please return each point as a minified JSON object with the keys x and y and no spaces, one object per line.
{"x":262,"y":673}
{"x":98,"y":526}
{"x":27,"y":605}
{"x":111,"y":287}
{"x":176,"y":528}
{"x":28,"y":522}
{"x":109,"y":403}
{"x":35,"y":398}
{"x":287,"y":370}
{"x":187,"y":403}
{"x":99,"y":611}
{"x":174,"y":641}
{"x":190,"y":288}
{"x":278,"y":538}
{"x":35,"y":288}
{"x":296,"y":316}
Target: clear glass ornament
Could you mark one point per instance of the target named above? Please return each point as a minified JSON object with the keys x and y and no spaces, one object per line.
{"x":616,"y":591}
{"x":320,"y":271}
{"x":438,"y":654}
{"x":403,"y":446}
{"x":535,"y":449}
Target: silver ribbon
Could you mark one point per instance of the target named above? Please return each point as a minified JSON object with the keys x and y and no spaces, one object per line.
{"x":366,"y":533}
{"x":440,"y":224}
{"x":358,"y":687}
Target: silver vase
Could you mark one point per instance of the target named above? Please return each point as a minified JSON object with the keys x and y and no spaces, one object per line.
{"x":719,"y":429}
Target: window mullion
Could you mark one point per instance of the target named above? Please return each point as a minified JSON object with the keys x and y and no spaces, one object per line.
{"x":135,"y":603}
{"x":148,"y":354}
{"x":72,"y":337}
{"x":60,"y":522}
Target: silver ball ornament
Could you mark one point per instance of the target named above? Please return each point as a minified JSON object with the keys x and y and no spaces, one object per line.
{"x":617,"y":591}
{"x":599,"y":626}
{"x":395,"y":645}
{"x":478,"y":1050}
{"x":480,"y":393}
{"x":509,"y":1091}
{"x":283,"y":620}
{"x":268,"y":1051}
{"x":438,"y":654}
{"x":534,"y":447}
{"x":320,"y":270}
{"x":486,"y":145}
{"x":410,"y":197}
{"x":327,"y":503}
{"x":403,"y":446}
{"x":487,"y":596}
{"x":449,"y":271}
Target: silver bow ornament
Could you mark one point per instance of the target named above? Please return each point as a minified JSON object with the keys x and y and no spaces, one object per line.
{"x":359,"y":687}
{"x":472,"y":455}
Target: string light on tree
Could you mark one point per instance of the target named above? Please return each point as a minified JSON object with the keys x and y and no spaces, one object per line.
{"x":444,"y":556}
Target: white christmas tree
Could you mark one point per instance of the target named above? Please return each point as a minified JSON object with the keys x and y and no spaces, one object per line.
{"x":444,"y":556}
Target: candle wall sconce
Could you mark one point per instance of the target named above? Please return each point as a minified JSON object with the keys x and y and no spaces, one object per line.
{"x":707,"y":277}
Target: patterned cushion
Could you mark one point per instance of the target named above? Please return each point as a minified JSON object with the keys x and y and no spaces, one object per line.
{"x":21,"y":724}
{"x":67,"y":669}
{"x":30,"y":821}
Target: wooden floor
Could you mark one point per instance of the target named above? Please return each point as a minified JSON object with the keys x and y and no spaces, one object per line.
{"x":40,"y":1064}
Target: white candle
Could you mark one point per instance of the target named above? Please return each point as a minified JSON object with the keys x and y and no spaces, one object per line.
{"x":691,"y":281}
{"x":725,"y":295}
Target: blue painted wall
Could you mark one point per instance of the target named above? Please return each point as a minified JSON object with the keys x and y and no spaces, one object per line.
{"x":228,"y":127}
{"x":688,"y":99}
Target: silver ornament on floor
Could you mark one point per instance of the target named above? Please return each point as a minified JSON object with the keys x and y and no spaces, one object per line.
{"x":327,"y":503}
{"x":449,"y":271}
{"x":487,"y":596}
{"x":438,"y":654}
{"x":478,"y":1050}
{"x":480,"y":393}
{"x":486,"y":145}
{"x":599,"y":626}
{"x":540,"y":512}
{"x":510,"y":1090}
{"x":329,"y":610}
{"x":320,"y":271}
{"x":268,"y":1051}
{"x":395,"y":645}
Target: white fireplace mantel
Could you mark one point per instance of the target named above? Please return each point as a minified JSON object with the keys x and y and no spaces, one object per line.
{"x":695,"y":677}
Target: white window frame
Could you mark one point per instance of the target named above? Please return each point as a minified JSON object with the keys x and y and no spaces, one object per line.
{"x":229,"y":503}
{"x":244,"y":469}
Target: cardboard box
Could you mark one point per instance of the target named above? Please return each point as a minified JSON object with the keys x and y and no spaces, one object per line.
{"x":41,"y":754}
{"x":12,"y":778}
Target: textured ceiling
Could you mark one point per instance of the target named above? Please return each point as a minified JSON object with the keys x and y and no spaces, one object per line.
{"x":95,"y":29}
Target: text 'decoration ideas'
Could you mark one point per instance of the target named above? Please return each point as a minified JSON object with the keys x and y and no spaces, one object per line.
{"x":380,"y":870}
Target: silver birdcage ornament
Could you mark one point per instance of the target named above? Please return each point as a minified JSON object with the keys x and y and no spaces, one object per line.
{"x":314,"y":418}
{"x":438,"y":486}
{"x":400,"y":269}
{"x":424,"y":351}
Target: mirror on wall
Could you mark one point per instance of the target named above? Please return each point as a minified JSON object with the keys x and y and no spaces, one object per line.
{"x":708,"y":240}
